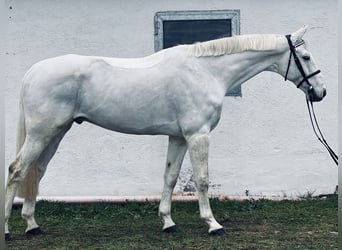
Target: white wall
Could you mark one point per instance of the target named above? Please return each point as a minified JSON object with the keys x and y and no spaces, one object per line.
{"x":264,"y":142}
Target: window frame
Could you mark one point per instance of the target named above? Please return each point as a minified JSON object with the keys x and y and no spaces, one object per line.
{"x":161,"y":16}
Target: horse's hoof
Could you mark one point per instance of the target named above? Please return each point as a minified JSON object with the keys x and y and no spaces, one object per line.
{"x":8,"y":237}
{"x":35,"y":232}
{"x":218,"y":232}
{"x":173,"y":229}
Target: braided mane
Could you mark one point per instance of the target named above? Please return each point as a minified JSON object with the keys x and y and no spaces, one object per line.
{"x":231,"y":45}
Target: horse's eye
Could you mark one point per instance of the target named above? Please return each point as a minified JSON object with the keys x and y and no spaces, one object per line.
{"x":306,"y":58}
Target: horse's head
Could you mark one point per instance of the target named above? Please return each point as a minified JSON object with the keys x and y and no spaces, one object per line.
{"x":301,"y":68}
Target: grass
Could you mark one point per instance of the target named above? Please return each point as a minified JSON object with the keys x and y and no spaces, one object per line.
{"x":263,"y":224}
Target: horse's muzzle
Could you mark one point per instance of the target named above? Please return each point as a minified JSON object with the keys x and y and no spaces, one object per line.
{"x":316,"y":96}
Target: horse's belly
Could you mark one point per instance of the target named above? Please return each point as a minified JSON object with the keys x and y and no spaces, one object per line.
{"x":139,"y":112}
{"x":132,"y":123}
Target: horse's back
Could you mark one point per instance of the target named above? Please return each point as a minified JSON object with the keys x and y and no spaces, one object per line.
{"x":73,"y":65}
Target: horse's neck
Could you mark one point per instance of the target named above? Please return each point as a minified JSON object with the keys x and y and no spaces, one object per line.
{"x":235,"y":69}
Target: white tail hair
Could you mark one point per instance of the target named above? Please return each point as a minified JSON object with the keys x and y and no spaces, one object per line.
{"x":29,"y":187}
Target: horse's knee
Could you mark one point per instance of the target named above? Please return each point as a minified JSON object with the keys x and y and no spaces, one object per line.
{"x":202,"y":183}
{"x":170,"y":180}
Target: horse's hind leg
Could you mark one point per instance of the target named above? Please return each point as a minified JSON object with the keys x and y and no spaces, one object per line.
{"x":29,"y":204}
{"x":175,"y":155}
{"x":29,"y":154}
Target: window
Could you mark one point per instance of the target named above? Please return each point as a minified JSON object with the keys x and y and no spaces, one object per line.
{"x":186,"y":27}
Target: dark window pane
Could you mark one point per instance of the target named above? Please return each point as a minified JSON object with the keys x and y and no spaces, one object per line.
{"x":177,"y":32}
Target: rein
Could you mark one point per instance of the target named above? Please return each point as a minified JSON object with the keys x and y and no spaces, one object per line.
{"x":309,"y":103}
{"x":318,"y":131}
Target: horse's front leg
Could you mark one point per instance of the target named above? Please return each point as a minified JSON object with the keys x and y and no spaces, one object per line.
{"x":198,"y":148}
{"x":175,"y":155}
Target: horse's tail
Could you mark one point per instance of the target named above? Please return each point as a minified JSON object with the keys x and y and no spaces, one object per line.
{"x":29,"y":187}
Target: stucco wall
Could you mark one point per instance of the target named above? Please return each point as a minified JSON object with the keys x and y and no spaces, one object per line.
{"x":264,"y":142}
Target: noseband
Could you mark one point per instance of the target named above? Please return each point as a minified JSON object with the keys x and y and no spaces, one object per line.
{"x":299,"y":65}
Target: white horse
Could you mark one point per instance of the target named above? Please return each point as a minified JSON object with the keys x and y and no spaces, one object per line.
{"x":176,"y":92}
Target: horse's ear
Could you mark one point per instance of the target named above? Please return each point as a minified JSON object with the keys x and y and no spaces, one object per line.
{"x":298,"y":35}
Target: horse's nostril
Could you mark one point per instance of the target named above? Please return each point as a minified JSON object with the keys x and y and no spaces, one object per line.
{"x":324,"y":92}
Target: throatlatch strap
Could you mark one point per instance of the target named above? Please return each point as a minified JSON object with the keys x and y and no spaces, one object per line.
{"x":288,"y":66}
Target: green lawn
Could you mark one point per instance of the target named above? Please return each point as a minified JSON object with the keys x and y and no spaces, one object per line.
{"x":264,"y":224}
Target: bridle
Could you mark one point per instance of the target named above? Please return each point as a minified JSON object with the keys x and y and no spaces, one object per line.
{"x":309,"y":103}
{"x":299,"y":65}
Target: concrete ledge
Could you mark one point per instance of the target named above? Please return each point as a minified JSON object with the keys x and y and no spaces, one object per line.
{"x":191,"y":197}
